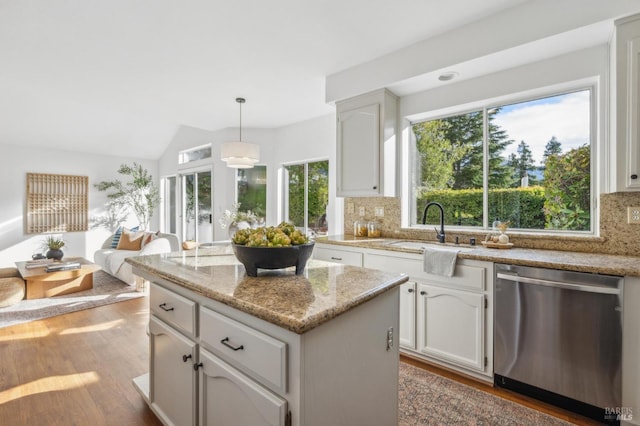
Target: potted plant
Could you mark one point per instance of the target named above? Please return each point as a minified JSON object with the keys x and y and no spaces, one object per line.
{"x":234,"y":219}
{"x":53,"y":245}
{"x":140,"y":194}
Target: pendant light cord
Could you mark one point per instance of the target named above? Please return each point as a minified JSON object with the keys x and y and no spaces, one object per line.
{"x":240,"y":101}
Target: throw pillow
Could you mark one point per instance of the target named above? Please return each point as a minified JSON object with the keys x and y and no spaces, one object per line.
{"x":148,"y":237}
{"x":117,"y":234}
{"x":116,"y":237}
{"x":130,"y":240}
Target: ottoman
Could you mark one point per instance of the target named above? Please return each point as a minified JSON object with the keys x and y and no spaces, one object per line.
{"x":12,"y":287}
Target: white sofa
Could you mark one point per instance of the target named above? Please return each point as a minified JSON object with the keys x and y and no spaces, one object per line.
{"x":112,"y":260}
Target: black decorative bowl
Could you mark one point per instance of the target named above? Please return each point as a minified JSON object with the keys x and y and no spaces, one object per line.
{"x":273,"y":257}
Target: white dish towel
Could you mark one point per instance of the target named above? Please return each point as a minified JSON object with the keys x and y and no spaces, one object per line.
{"x":440,"y":261}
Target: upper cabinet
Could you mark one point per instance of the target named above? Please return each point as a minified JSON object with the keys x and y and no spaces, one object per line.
{"x":625,"y":109}
{"x":366,"y":143}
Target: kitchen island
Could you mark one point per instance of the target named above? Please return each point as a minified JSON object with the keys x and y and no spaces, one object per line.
{"x":312,"y":349}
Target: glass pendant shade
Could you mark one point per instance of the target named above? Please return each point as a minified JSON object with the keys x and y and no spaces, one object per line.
{"x":240,"y":155}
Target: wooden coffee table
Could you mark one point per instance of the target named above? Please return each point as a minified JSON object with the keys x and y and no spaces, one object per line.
{"x":46,"y":284}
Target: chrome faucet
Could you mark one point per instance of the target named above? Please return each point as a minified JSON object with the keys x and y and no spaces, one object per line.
{"x":439,"y":235}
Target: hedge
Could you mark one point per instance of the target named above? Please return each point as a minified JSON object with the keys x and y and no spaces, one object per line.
{"x":523,"y":207}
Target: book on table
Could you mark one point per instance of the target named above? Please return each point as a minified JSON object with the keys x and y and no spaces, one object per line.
{"x":40,"y":263}
{"x":64,"y":266}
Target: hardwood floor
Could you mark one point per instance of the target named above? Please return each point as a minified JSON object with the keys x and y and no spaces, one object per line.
{"x":76,"y":369}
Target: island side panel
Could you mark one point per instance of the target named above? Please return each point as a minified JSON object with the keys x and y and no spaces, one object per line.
{"x":349,"y":375}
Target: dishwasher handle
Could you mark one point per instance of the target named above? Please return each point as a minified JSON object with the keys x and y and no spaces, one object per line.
{"x":558,"y":284}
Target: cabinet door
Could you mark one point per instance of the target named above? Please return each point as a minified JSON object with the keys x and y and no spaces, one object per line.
{"x":358,"y":156}
{"x":173,"y":387}
{"x":408,"y":315}
{"x":451,"y":325}
{"x":229,"y":398}
{"x":632,"y":177}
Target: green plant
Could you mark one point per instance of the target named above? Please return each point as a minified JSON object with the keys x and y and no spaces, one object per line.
{"x":52,"y":242}
{"x":140,"y":194}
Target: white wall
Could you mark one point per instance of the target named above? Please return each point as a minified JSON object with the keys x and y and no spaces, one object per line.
{"x":309,"y":140}
{"x":15,"y":245}
{"x":224,"y":183}
{"x":313,"y":139}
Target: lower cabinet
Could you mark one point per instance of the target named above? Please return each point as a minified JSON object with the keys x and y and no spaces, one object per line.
{"x":211,"y":364}
{"x":189,"y":385}
{"x":172,"y":392}
{"x":445,"y":320}
{"x":229,"y":398}
{"x":407,"y":336}
{"x":451,"y":325}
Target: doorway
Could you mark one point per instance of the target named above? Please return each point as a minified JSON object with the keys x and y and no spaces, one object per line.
{"x":197,"y":211}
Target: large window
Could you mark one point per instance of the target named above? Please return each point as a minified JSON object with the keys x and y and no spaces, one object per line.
{"x":528,"y":163}
{"x":252,"y":190}
{"x":306,"y":195}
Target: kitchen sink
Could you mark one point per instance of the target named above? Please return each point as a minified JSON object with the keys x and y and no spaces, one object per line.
{"x":420,"y":245}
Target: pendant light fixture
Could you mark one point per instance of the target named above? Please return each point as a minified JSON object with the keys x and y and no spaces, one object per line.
{"x":240,"y":155}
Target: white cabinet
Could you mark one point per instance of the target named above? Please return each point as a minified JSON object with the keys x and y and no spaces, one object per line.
{"x":626,"y":108}
{"x":229,"y":398}
{"x":366,"y":145}
{"x":451,"y":325}
{"x":223,"y":366}
{"x":407,"y":336}
{"x":172,"y":393}
{"x":184,"y":376}
{"x":330,"y":254}
{"x":444,"y":320}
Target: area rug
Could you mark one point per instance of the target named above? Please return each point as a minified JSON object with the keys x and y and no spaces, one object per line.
{"x":106,"y":290}
{"x":428,"y":399}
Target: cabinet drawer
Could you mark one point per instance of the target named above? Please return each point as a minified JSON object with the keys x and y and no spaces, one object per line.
{"x":464,"y":276}
{"x":173,"y":309}
{"x":249,"y":350}
{"x":339,"y":256}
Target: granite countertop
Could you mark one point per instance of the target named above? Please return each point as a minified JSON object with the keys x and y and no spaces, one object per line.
{"x":571,"y":261}
{"x":298,"y":303}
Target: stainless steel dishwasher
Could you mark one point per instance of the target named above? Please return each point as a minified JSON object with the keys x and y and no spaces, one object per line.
{"x":558,"y":337}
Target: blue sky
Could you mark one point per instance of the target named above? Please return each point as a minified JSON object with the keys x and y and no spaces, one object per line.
{"x":565,"y":116}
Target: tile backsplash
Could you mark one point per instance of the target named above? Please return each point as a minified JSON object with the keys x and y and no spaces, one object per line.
{"x":616,"y":235}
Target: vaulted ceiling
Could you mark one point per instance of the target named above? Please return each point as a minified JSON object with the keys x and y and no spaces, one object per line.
{"x":119,"y":77}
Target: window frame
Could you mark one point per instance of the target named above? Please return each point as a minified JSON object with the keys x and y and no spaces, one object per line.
{"x":409,"y":208}
{"x":284,"y":188}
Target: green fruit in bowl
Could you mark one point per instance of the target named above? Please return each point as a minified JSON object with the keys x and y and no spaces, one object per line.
{"x":283,"y":235}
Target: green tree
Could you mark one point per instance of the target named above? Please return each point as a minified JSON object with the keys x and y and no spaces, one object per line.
{"x":437,"y":154}
{"x":553,"y":147}
{"x":523,"y":165}
{"x":467,"y":131}
{"x":567,"y":190}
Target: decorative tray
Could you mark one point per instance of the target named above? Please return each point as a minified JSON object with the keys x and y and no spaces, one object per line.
{"x":491,"y":244}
